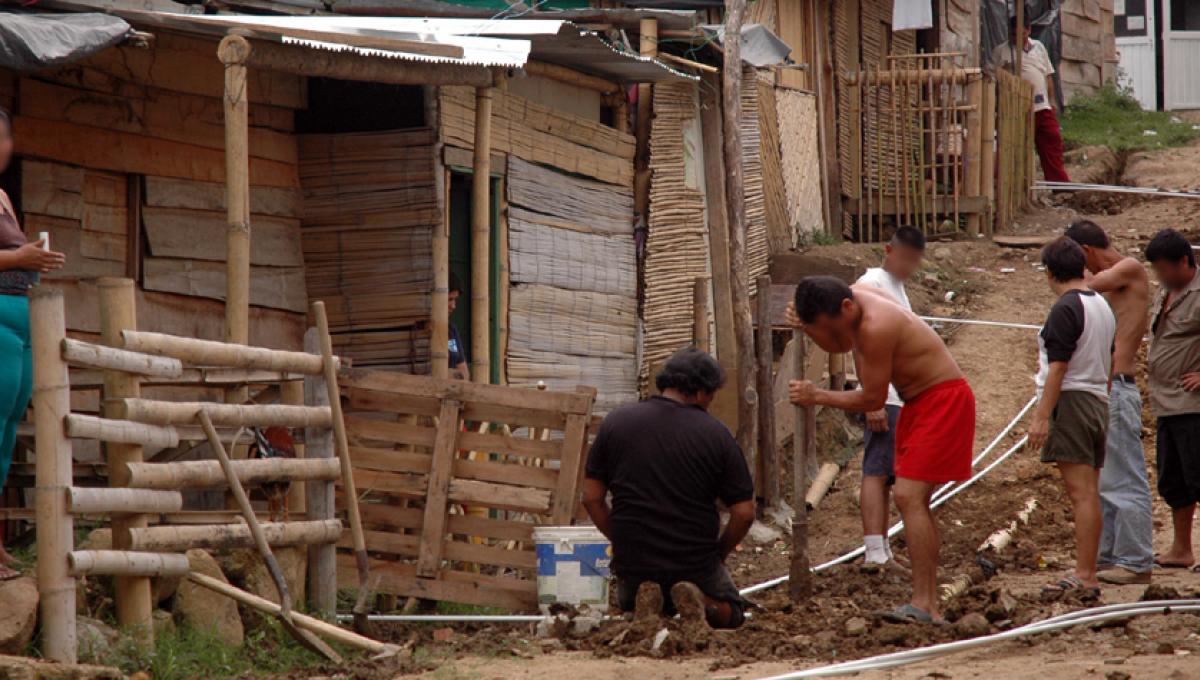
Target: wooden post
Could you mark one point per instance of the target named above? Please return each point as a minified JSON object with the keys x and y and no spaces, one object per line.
{"x":481,"y":239}
{"x":318,"y":443}
{"x":700,"y":313}
{"x":973,"y":153}
{"x":132,"y":594}
{"x":768,"y":479}
{"x":987,"y":153}
{"x":1018,"y":45}
{"x":718,"y":229}
{"x":439,"y":316}
{"x":837,"y":371}
{"x":55,"y":528}
{"x":747,"y":426}
{"x":291,"y":392}
{"x":648,"y":46}
{"x":800,"y":574}
{"x":234,"y":51}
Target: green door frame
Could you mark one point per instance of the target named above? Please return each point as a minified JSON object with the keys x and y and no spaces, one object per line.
{"x":494,"y":311}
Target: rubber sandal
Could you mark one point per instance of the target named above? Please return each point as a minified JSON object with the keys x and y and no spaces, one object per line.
{"x":905,"y":614}
{"x":1067,"y":584}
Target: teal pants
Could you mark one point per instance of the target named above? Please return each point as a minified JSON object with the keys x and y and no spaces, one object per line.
{"x":16,"y":374}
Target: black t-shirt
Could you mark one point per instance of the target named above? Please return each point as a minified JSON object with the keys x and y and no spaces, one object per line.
{"x":458,"y":354}
{"x":666,"y":464}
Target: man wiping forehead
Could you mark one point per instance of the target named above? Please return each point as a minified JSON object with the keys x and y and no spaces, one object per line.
{"x":936,"y":430}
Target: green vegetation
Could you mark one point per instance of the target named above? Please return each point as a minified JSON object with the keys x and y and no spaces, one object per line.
{"x":192,"y":653}
{"x":817,"y":237}
{"x":1112,"y":117}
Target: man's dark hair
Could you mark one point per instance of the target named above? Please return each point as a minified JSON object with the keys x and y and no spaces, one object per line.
{"x":691,"y":371}
{"x":1087,"y":233}
{"x":5,"y":116}
{"x":1012,"y":23}
{"x":1169,"y":244}
{"x":455,"y":284}
{"x":909,"y":236}
{"x":1064,"y":259}
{"x":818,"y":295}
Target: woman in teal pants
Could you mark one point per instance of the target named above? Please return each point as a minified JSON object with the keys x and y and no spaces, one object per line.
{"x":20,"y":264}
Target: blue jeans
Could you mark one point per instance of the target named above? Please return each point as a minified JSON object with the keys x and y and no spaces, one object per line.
{"x":1124,"y":488}
{"x":16,"y":374}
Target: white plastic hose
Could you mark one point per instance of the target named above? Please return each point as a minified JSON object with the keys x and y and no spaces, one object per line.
{"x":974,"y":322}
{"x":1077,"y":618}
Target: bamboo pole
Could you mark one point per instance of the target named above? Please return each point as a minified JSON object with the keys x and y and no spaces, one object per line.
{"x":648,"y":47}
{"x":481,"y":239}
{"x":55,"y":528}
{"x":897,"y":196}
{"x":228,"y":415}
{"x":231,"y":536}
{"x":341,"y":446}
{"x":87,"y":355}
{"x":504,"y":277}
{"x":82,"y":426}
{"x":233,"y":52}
{"x":318,"y":445}
{"x":571,"y":77}
{"x":132,"y":595}
{"x":101,"y":500}
{"x":126,"y":564}
{"x":439,"y":336}
{"x":743,"y":326}
{"x":987,"y":153}
{"x":952,"y":75}
{"x":222,"y":354}
{"x":700,"y":334}
{"x":329,"y":630}
{"x":800,"y":574}
{"x":821,"y":485}
{"x":207,"y":474}
{"x":291,"y":393}
{"x":768,"y":455}
{"x":974,"y":151}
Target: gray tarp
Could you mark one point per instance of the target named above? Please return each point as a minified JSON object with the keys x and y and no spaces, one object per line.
{"x":29,"y":42}
{"x":760,"y":47}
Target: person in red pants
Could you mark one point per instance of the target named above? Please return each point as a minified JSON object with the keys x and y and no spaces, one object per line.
{"x":1037,"y":69}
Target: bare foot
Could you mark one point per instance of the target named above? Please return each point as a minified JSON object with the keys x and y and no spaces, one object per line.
{"x":1175,"y":560}
{"x":8,"y":573}
{"x":6,"y":558}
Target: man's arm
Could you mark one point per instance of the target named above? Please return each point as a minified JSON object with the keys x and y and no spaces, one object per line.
{"x":1050,"y":90}
{"x":1116,"y":277}
{"x":595,"y":502}
{"x":874,"y":360}
{"x":1039,"y":428}
{"x":741,"y":517}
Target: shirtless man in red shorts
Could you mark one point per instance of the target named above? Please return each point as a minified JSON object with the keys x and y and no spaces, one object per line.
{"x":936,"y":432}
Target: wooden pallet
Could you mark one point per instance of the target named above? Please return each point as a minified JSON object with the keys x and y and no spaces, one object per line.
{"x":453,"y":477}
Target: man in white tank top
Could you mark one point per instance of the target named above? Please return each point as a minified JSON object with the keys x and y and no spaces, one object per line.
{"x":1070,"y":424}
{"x":902,"y":260}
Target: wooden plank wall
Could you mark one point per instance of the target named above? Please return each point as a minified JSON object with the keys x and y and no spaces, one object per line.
{"x":122,"y":161}
{"x":572,"y":313}
{"x":370,"y":206}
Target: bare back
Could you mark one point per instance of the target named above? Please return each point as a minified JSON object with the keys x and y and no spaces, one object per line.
{"x":918,"y":357}
{"x":1126,"y":286}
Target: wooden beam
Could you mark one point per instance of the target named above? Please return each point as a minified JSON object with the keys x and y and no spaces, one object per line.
{"x":700,"y":328}
{"x":571,"y":77}
{"x":800,"y":574}
{"x":126,"y":564}
{"x":100,"y":500}
{"x":318,"y":445}
{"x":433,"y":530}
{"x":88,"y":355}
{"x":747,"y":425}
{"x":768,"y":478}
{"x":718,"y":229}
{"x":230,"y":536}
{"x":212,"y":353}
{"x":207,"y":473}
{"x":227,"y":415}
{"x":481,"y":239}
{"x":641,"y":182}
{"x":352,"y":66}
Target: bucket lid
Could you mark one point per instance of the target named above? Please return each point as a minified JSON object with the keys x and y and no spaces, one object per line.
{"x":567,"y":533}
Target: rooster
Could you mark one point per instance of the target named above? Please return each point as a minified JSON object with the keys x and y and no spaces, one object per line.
{"x":274,"y":442}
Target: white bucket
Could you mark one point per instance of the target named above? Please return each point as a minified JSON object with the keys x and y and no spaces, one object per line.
{"x":572,"y":566}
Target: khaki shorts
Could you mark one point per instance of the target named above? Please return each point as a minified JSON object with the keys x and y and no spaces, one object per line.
{"x":1078,"y":430}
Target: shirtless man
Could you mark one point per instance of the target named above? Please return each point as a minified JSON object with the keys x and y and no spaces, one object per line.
{"x":1126,"y":552}
{"x":936,"y":431}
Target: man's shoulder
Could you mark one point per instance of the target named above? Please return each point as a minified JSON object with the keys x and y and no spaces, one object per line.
{"x":873,"y":276}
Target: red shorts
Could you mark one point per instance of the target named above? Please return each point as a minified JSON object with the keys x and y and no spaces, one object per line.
{"x":936,"y":434}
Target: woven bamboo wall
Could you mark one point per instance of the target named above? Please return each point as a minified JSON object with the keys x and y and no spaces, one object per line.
{"x":779,"y":226}
{"x":757,"y":251}
{"x":677,"y":245}
{"x":801,"y":157}
{"x":369,"y":211}
{"x":572,"y":309}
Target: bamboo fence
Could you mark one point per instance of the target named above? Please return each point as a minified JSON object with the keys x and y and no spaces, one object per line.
{"x":1014,"y":144}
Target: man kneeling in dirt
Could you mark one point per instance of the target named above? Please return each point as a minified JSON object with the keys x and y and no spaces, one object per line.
{"x":936,"y":430}
{"x":1070,"y":424}
{"x":667,"y":462}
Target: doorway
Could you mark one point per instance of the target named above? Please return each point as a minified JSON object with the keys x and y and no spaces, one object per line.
{"x":461,"y":266}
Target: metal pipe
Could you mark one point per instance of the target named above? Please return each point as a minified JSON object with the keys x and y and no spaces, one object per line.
{"x":1109,"y":188}
{"x":973,"y":322}
{"x":451,"y":618}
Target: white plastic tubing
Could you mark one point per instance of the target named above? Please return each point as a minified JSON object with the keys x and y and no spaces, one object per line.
{"x":1076,"y":618}
{"x":940,"y":496}
{"x":977,"y":322}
